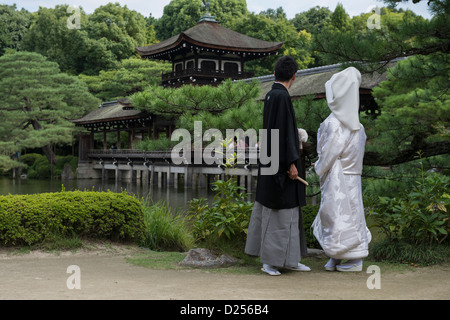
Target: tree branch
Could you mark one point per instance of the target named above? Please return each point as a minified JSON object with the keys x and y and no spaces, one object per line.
{"x":372,"y":158}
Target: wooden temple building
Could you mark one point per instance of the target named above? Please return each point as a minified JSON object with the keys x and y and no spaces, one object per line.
{"x":207,"y":53}
{"x":311,"y":82}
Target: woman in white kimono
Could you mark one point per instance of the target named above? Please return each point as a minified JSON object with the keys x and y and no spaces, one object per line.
{"x":340,"y":225}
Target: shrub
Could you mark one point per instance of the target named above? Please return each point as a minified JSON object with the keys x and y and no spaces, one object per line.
{"x":63,"y":160}
{"x":165,"y":230}
{"x":30,"y":158}
{"x":404,"y":252}
{"x":309,"y":213}
{"x":162,"y":143}
{"x":229,"y":214}
{"x":420,"y":216}
{"x":32,"y":219}
{"x":40,"y":169}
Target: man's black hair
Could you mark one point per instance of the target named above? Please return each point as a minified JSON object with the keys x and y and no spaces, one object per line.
{"x":285,"y":68}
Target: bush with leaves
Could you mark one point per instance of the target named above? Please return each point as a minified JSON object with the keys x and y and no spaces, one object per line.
{"x":36,"y":218}
{"x":420,"y":216}
{"x":228,"y":216}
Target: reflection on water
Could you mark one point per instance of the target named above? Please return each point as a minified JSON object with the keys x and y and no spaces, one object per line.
{"x":176,"y":197}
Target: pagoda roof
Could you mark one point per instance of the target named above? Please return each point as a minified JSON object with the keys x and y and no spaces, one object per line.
{"x":312,"y":81}
{"x":211,"y":35}
{"x":119,"y":110}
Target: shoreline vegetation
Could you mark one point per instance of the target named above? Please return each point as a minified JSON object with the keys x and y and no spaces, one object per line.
{"x":415,"y":235}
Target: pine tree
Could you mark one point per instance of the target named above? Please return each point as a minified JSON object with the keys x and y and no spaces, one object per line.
{"x":38,"y":104}
{"x":340,"y":19}
{"x":415,"y":100}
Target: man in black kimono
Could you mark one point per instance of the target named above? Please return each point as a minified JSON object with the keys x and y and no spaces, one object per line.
{"x":275,"y":232}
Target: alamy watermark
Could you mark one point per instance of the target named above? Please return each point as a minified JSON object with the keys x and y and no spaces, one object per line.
{"x":74,"y":21}
{"x":374,"y":21}
{"x":74,"y":280}
{"x":213,"y":153}
{"x":374,"y":280}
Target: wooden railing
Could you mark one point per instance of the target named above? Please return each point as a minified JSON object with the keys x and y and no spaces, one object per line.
{"x":166,"y":155}
{"x":192,"y":72}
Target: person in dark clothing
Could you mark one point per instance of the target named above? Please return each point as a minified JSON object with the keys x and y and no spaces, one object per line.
{"x":275,"y":232}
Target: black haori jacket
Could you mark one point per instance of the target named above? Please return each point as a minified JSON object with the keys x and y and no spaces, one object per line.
{"x":278,"y":191}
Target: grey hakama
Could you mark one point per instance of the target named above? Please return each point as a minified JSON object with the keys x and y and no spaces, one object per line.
{"x":274,"y":235}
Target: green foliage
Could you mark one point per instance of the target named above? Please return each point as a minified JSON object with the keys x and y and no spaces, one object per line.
{"x":415,"y":105}
{"x":180,"y":15}
{"x":108,"y":35}
{"x":38,"y":166}
{"x":165,"y":230}
{"x":72,"y":49}
{"x":309,"y":213}
{"x":310,"y":113}
{"x":228,"y":217}
{"x":38,"y":103}
{"x":266,"y":27}
{"x":29,"y":158}
{"x":407,"y":253}
{"x":340,"y":19}
{"x":13,"y":26}
{"x":396,"y":180}
{"x":162,"y":143}
{"x":420,"y":216}
{"x":40,"y":169}
{"x":400,"y":34}
{"x":312,"y":20}
{"x":32,"y":219}
{"x":203,"y":103}
{"x":124,"y":29}
{"x":130,"y":76}
{"x":414,"y":101}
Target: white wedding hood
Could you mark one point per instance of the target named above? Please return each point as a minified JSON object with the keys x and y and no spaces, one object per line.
{"x":342,"y":92}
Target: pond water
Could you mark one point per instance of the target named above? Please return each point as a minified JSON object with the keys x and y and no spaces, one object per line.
{"x":176,"y":197}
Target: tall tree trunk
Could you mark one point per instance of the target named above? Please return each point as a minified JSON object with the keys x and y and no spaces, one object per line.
{"x":48,"y":151}
{"x":49,"y":154}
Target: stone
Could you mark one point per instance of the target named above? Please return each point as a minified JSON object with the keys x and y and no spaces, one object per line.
{"x":67,"y":173}
{"x":205,"y":258}
{"x":318,"y":253}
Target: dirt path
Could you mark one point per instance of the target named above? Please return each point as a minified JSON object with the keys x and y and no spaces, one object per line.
{"x":106,"y":274}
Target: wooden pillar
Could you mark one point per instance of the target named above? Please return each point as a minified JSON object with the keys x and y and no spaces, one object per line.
{"x":131,"y":137}
{"x":118,"y":139}
{"x":160,"y":179}
{"x":187,"y":177}
{"x":132,"y":174}
{"x":92,"y":141}
{"x":118,"y":176}
{"x":105,"y":146}
{"x":155,"y":131}
{"x":149,"y":133}
{"x":175,"y":180}
{"x":242,"y":181}
{"x":249,"y":182}
{"x":153,"y":175}
{"x":202,"y":180}
{"x":144,"y":177}
{"x":103,"y":172}
{"x":170,"y":177}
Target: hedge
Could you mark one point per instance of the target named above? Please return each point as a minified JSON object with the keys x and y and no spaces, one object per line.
{"x":31,"y":219}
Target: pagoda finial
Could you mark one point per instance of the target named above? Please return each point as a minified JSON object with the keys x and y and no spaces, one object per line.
{"x":207,"y":16}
